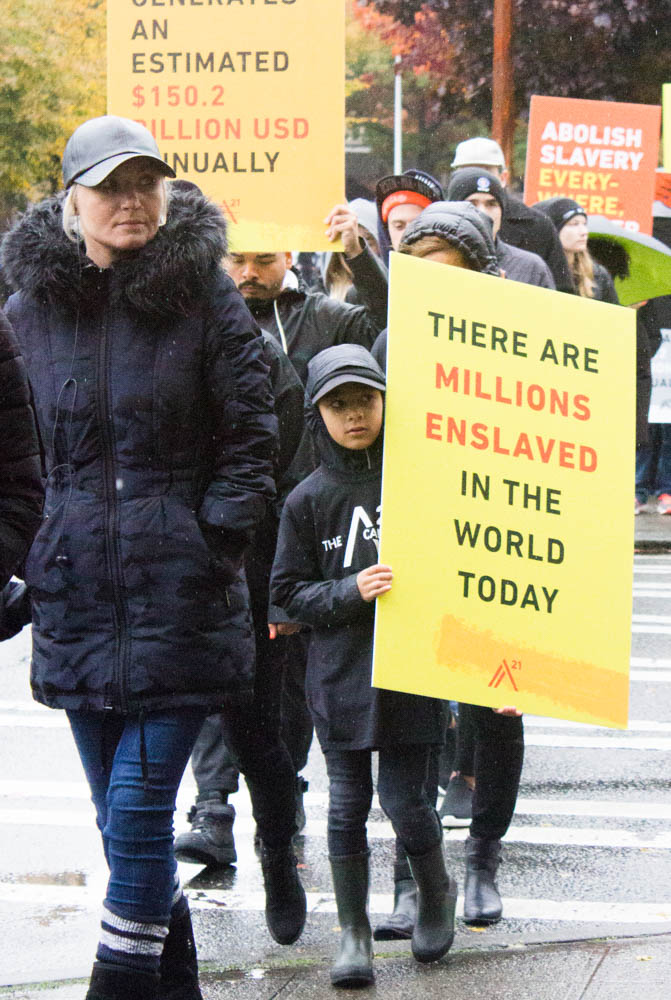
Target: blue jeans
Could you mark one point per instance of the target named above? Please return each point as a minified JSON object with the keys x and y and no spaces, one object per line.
{"x":134,"y":800}
{"x":653,"y":463}
{"x":402,"y":773}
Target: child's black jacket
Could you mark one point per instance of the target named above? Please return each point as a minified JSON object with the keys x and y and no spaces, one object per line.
{"x":328,"y":533}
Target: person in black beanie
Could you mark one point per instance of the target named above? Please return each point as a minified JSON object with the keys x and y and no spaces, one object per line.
{"x":591,"y":279}
{"x":484,"y":190}
{"x":523,"y":227}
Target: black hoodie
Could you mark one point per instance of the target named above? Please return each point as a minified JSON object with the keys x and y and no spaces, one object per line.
{"x":329,"y":532}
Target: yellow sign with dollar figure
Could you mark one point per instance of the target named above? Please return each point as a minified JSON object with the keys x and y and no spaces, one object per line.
{"x":509,"y":418}
{"x":245,"y":99}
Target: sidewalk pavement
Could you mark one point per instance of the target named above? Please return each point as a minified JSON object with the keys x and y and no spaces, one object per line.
{"x":652,"y":532}
{"x":600,"y":969}
{"x":605,"y":969}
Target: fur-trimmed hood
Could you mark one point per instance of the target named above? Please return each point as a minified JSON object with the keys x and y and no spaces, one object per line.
{"x":163,"y":278}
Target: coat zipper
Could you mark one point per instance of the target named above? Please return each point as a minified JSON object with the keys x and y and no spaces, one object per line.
{"x":111,"y":518}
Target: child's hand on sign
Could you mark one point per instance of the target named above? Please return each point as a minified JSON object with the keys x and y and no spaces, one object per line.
{"x":508,"y":710}
{"x":374,"y":581}
{"x":283,"y":628}
{"x":342,"y":223}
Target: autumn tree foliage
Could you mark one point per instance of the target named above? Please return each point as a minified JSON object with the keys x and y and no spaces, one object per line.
{"x":434,"y":94}
{"x":597,"y":49}
{"x":52,"y":76}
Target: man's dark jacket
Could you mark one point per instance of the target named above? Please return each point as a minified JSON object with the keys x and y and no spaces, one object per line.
{"x":311,"y":321}
{"x":529,"y":229}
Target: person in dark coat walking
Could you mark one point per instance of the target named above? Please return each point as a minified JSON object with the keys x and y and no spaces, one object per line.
{"x":590,"y":279}
{"x":20,"y":478}
{"x":484,"y":190}
{"x":523,"y":227}
{"x":155,"y":411}
{"x":326,"y":575}
{"x":301,"y":322}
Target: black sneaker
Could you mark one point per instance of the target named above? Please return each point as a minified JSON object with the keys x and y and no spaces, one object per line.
{"x":210,"y":840}
{"x":457,"y":806}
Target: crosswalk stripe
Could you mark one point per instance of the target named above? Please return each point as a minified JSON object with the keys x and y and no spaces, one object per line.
{"x":620,"y":742}
{"x":382,"y":830}
{"x":232,"y":901}
{"x":635,"y":725}
{"x":638,"y":810}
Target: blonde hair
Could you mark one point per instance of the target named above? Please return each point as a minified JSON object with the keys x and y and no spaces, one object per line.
{"x":582,"y":271}
{"x":70,"y":217}
{"x":432,"y":244}
{"x":337,"y":277}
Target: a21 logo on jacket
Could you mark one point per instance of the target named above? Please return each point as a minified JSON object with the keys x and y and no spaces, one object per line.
{"x":361,"y":526}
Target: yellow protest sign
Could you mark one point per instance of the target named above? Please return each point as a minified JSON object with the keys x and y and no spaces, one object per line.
{"x":507,"y":495}
{"x":245,"y":99}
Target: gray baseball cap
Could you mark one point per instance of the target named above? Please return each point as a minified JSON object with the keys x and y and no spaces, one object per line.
{"x":100,"y":145}
{"x":478,"y":152}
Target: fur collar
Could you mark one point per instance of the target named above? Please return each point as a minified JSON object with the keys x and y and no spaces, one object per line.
{"x":165,"y":277}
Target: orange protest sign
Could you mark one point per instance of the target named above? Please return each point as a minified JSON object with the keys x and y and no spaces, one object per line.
{"x":666,"y":132}
{"x":602,"y":154}
{"x":662,"y":205}
{"x":243,"y":103}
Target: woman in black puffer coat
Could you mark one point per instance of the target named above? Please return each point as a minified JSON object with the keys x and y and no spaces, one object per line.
{"x":155,"y":411}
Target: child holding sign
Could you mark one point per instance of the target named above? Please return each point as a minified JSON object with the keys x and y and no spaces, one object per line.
{"x":326,"y":575}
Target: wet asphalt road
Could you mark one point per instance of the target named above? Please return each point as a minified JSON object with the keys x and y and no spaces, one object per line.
{"x":589,"y":853}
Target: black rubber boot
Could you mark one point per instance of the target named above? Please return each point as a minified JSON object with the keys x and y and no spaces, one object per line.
{"x":482,"y":902}
{"x":286,"y":905}
{"x":400,"y":924}
{"x":353,"y":966}
{"x":436,"y":906}
{"x":179,"y":962}
{"x":116,"y":982}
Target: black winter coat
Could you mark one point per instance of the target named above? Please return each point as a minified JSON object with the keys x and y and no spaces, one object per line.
{"x":529,"y":229}
{"x":20,"y":478}
{"x":312,"y":321}
{"x":155,"y":411}
{"x":328,"y":534}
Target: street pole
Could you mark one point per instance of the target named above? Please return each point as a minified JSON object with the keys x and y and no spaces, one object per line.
{"x":398,"y":117}
{"x":503,"y":111}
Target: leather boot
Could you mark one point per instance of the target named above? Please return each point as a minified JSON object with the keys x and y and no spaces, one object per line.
{"x":116,"y":982}
{"x":286,"y":905}
{"x":482,"y":903}
{"x":353,"y":965}
{"x":210,"y":840}
{"x":179,"y":962}
{"x":436,"y":905}
{"x":399,"y":925}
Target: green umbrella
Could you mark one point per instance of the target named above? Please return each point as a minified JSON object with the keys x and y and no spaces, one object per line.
{"x":640,"y":264}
